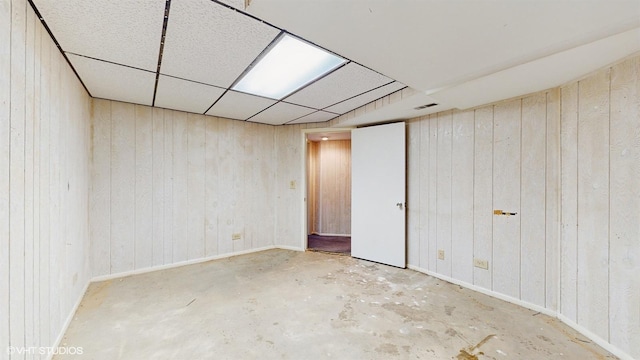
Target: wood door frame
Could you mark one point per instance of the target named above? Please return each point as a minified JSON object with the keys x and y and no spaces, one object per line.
{"x":304,"y":188}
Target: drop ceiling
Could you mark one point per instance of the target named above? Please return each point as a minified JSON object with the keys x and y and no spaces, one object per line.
{"x":187,"y":54}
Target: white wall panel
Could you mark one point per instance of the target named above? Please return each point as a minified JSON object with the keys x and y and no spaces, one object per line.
{"x":593,"y":202}
{"x":533,"y":206}
{"x":443,"y":191}
{"x":624,"y":231}
{"x":413,"y":192}
{"x":462,"y":164}
{"x":191,"y":189}
{"x":44,"y":159}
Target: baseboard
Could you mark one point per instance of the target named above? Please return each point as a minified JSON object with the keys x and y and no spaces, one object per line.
{"x":329,"y":234}
{"x":292,"y":248}
{"x":67,"y":322}
{"x":178,"y":264}
{"x":593,"y":337}
{"x":491,"y":293}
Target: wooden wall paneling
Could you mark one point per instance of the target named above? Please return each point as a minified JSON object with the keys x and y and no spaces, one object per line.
{"x":345,"y":163}
{"x":123,"y":178}
{"x":180,"y":184}
{"x":5,"y":136}
{"x":212,"y":189}
{"x":28,"y":178}
{"x":443,"y":191}
{"x":312,"y":186}
{"x":168,"y":181}
{"x":54,"y":188}
{"x":287,"y":200}
{"x":624,"y":285}
{"x":100,"y":215}
{"x":37,"y":115}
{"x":462,"y":170}
{"x":17,"y":174}
{"x":483,"y":195}
{"x":143,"y":187}
{"x":237,"y":185}
{"x":532,"y":199}
{"x":424,"y":215}
{"x":413,"y":193}
{"x":196,"y":186}
{"x":226,"y":178}
{"x":335,"y":187}
{"x":506,"y":197}
{"x":593,"y":203}
{"x":266,"y":177}
{"x":45,"y":195}
{"x":433,"y":180}
{"x":158,"y":194}
{"x":552,"y":201}
{"x":569,"y":202}
{"x":63,"y":195}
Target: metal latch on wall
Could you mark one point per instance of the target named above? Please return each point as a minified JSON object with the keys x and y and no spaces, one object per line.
{"x":500,"y":212}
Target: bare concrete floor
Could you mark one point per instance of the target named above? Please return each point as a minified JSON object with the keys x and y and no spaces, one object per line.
{"x":281,"y":304}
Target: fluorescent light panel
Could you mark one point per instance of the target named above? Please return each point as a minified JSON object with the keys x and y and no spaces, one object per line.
{"x":289,"y":65}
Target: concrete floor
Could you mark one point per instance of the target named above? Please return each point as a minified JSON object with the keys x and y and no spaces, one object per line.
{"x":281,"y":304}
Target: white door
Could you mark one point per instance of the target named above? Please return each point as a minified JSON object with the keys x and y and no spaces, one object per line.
{"x":378,"y":194}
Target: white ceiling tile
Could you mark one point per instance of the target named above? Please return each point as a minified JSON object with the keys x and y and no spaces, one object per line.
{"x":115,"y":82}
{"x":125,"y":32}
{"x":281,"y":113}
{"x":364,"y":99}
{"x":236,"y":105}
{"x":318,"y":116}
{"x":211,"y":43}
{"x":185,"y":95}
{"x":348,"y":81}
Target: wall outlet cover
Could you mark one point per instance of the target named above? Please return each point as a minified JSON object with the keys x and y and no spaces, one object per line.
{"x":482,"y":264}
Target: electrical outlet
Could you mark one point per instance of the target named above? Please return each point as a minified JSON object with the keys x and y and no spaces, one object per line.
{"x":236,"y":236}
{"x":440,"y":254}
{"x":292,"y":184}
{"x":482,"y":264}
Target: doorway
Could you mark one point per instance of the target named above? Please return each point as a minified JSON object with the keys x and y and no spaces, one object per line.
{"x":328,"y":174}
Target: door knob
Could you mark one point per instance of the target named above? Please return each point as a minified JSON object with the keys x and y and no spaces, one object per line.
{"x":400,"y":205}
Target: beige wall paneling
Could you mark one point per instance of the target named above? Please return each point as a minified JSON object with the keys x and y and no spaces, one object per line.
{"x":158,"y":194}
{"x":45,"y":191}
{"x":552,"y":201}
{"x":123,"y":171}
{"x":462,"y":175}
{"x":443,"y":191}
{"x":288,"y":159}
{"x":335,"y":187}
{"x":506,"y":197}
{"x":532,"y":199}
{"x":313,"y":174}
{"x":264,"y":176}
{"x":167,"y":166}
{"x":28,"y":179}
{"x":212,"y":187}
{"x":624,"y":235}
{"x":413,"y":192}
{"x":227,"y":150}
{"x":423,"y":213}
{"x":180,"y":186}
{"x":243,"y":176}
{"x":5,"y":136}
{"x":37,"y":282}
{"x":143,"y":187}
{"x":483,"y":195}
{"x":569,"y":202}
{"x":433,"y":182}
{"x":17,"y":174}
{"x":593,"y":203}
{"x":196,"y":186}
{"x":101,"y":187}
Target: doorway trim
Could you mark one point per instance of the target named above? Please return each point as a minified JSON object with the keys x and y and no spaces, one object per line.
{"x":304,"y":187}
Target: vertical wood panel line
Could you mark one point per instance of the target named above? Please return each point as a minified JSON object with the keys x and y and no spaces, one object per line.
{"x":493,"y":150}
{"x":9,"y":172}
{"x":577,"y":194}
{"x":609,"y":210}
{"x":520,"y":210}
{"x":546,"y":164}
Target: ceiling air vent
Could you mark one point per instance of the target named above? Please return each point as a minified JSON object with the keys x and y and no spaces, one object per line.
{"x":425,"y":106}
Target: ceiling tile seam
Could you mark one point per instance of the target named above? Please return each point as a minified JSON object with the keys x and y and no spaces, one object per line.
{"x":278,"y":102}
{"x":245,"y":14}
{"x":165,"y":22}
{"x":109,"y":62}
{"x":373,"y":101}
{"x":55,"y":41}
{"x":300,"y":117}
{"x":216,"y":101}
{"x":319,"y":78}
{"x":195,"y":82}
{"x":362,"y":93}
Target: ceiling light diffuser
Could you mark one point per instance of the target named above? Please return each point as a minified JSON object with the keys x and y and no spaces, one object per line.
{"x":286,"y":67}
